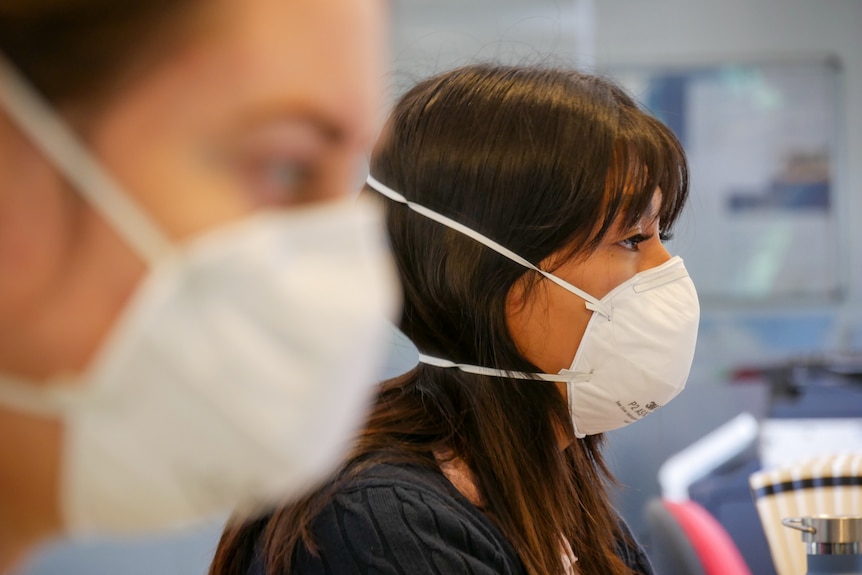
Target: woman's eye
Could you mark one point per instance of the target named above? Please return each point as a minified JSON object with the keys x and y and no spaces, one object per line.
{"x":631,"y":242}
{"x":284,"y":176}
{"x":278,"y":182}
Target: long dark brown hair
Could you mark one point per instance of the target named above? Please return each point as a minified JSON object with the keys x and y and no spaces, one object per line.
{"x":542,"y":161}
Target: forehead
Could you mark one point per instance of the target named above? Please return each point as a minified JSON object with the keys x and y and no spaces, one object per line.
{"x":629,"y":216}
{"x":249,"y":59}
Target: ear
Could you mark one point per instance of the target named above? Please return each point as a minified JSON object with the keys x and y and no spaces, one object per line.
{"x":516,"y":298}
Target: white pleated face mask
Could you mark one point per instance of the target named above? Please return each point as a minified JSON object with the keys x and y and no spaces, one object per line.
{"x":637,"y":349}
{"x":238,"y":372}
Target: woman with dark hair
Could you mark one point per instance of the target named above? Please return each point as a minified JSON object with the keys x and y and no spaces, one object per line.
{"x":190,"y":304}
{"x":526,"y":210}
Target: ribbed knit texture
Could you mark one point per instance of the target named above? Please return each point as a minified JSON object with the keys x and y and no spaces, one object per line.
{"x":409,"y":520}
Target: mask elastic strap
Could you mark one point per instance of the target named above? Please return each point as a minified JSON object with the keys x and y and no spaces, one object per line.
{"x":46,"y":401}
{"x":46,"y":129}
{"x":564,"y":376}
{"x":591,"y":303}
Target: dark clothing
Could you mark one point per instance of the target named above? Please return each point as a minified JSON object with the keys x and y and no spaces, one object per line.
{"x":410,"y":520}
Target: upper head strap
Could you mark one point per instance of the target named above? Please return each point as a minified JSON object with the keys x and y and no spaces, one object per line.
{"x":591,"y":302}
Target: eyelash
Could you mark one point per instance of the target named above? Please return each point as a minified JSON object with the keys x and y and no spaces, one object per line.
{"x":285,"y":174}
{"x":631,"y":243}
{"x":279,"y":181}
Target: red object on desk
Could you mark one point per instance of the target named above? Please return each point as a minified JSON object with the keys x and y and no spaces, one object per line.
{"x":716,"y":550}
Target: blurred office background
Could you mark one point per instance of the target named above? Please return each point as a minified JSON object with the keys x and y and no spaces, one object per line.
{"x":767,"y":97}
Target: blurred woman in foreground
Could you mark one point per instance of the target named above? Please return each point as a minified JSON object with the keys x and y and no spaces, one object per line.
{"x":190,"y":312}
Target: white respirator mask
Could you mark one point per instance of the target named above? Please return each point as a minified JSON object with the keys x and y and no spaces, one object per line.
{"x":636,"y":352}
{"x":239,"y":370}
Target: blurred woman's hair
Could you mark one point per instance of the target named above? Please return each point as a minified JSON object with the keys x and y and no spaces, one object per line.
{"x":543,"y":161}
{"x":79,"y":52}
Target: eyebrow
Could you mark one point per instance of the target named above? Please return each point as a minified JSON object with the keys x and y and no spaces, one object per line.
{"x":330,"y":131}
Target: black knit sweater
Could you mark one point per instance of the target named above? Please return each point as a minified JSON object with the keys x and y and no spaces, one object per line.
{"x":409,"y":520}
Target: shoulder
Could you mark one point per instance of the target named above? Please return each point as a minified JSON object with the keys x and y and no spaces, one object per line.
{"x":632,"y":553}
{"x":404,"y":519}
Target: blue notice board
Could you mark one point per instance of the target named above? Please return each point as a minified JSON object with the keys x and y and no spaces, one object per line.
{"x":761,"y":140}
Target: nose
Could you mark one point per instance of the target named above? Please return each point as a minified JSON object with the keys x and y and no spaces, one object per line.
{"x":653,"y":255}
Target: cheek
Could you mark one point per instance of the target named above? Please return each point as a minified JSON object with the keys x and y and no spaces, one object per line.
{"x":606,"y":270}
{"x":550,"y":323}
{"x":547,"y":326}
{"x":36,"y":224}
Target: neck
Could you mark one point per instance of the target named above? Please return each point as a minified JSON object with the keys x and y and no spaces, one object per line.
{"x":459,"y":475}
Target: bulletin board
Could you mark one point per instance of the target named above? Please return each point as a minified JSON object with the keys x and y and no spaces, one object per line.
{"x":761,"y":139}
